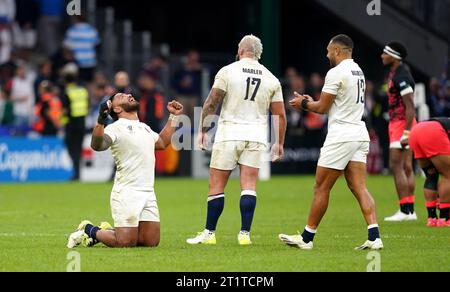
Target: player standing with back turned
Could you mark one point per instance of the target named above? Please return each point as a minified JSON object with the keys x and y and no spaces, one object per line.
{"x":247,"y":91}
{"x":346,"y":146}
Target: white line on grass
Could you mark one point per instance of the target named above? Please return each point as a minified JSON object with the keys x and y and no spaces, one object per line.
{"x":28,"y":235}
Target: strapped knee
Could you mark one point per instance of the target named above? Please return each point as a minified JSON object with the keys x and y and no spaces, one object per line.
{"x":432,"y":178}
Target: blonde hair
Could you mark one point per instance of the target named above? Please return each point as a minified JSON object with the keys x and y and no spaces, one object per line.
{"x":253,"y":44}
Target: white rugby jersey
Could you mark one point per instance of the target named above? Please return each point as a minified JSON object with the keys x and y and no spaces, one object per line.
{"x":250,"y":89}
{"x":133,"y":149}
{"x":345,"y":124}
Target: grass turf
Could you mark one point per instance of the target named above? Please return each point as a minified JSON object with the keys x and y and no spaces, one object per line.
{"x":36,"y":219}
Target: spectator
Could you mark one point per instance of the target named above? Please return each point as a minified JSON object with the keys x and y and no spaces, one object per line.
{"x":7,"y":70}
{"x":101,"y":79}
{"x":187,"y":83}
{"x":59,"y":60}
{"x":7,"y":11}
{"x":315,"y":123}
{"x":22,"y":95}
{"x":151,"y":103}
{"x":156,"y":69}
{"x":98,"y":96}
{"x":44,"y":74}
{"x":48,"y":110}
{"x":76,"y":107}
{"x":291,"y":72}
{"x":24,"y":30}
{"x":83,"y":39}
{"x":437,"y":98}
{"x":6,"y":110}
{"x":122,"y":83}
{"x":7,"y":14}
{"x":296,"y":83}
{"x":49,"y":25}
{"x":316,"y":83}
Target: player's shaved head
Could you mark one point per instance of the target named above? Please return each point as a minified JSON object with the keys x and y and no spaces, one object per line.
{"x":344,"y":41}
{"x":339,"y":49}
{"x":251,"y":44}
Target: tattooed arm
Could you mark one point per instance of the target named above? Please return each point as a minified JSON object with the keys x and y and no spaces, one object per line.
{"x":211,"y":105}
{"x":100,"y":141}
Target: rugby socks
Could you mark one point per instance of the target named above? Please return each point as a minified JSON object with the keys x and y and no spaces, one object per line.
{"x":445,"y":211}
{"x":432,"y":209}
{"x":91,"y":231}
{"x":215,"y":208}
{"x":374,"y":232}
{"x":308,"y":234}
{"x":247,"y":206}
{"x":407,"y":205}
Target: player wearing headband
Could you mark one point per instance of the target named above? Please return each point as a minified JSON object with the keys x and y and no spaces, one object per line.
{"x":402,"y":118}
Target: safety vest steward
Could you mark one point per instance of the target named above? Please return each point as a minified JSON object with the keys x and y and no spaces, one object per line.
{"x":79,"y":101}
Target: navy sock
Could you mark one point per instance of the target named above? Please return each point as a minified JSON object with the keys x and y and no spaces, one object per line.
{"x":308,"y":236}
{"x":405,"y":208}
{"x":215,"y":207}
{"x":411,"y":208}
{"x":91,"y":231}
{"x":247,"y":206}
{"x":374,"y":232}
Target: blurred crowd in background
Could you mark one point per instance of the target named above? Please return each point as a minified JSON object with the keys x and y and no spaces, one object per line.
{"x":51,"y":83}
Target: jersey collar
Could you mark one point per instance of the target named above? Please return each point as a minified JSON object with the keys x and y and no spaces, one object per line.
{"x":249,"y":60}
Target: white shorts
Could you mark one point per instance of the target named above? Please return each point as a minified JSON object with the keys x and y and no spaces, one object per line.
{"x":227,"y":155}
{"x":338,"y":155}
{"x":129,"y":207}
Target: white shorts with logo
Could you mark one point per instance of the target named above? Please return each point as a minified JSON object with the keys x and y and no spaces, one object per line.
{"x":129,"y":207}
{"x":338,"y":155}
{"x":227,"y":155}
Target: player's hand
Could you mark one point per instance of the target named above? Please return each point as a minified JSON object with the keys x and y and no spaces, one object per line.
{"x":175,"y":108}
{"x":296,"y":102}
{"x":404,"y":140}
{"x":277,"y":152}
{"x":202,"y":141}
{"x":404,"y":143}
{"x":105,"y":109}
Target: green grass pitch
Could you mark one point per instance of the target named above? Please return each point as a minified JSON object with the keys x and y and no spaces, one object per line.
{"x":36,"y":219}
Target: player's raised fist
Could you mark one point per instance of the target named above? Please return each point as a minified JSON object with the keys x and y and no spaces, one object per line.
{"x":105,"y":109}
{"x":175,"y":108}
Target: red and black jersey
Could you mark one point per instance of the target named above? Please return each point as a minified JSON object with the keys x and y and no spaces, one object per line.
{"x":400,"y":83}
